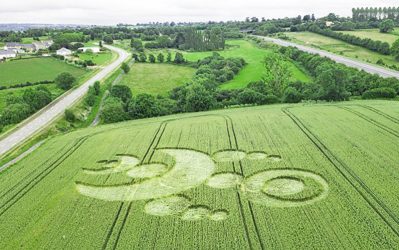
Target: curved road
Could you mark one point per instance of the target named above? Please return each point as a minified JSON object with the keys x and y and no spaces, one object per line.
{"x":58,"y":107}
{"x":373,"y":69}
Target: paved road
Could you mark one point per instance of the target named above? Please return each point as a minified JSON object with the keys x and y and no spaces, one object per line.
{"x":373,"y":69}
{"x":56,"y":109}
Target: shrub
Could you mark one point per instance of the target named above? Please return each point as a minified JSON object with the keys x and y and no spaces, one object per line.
{"x":91,"y":97}
{"x":379,"y":93}
{"x":65,"y":81}
{"x":291,"y":95}
{"x":125,"y":68}
{"x":113,"y":111}
{"x":69,"y":115}
{"x":122,"y":92}
{"x":97,"y":87}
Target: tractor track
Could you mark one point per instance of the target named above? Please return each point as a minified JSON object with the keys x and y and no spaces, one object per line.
{"x":152,"y":146}
{"x":26,"y":188}
{"x":345,"y":170}
{"x":389,"y":117}
{"x":370,"y":120}
{"x":229,"y":121}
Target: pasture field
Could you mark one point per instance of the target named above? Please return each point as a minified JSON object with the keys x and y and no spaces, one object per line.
{"x":306,"y":176}
{"x":34,"y":70}
{"x":254,"y":57}
{"x":156,"y":78}
{"x":340,"y":47}
{"x":99,"y":59}
{"x":373,"y":34}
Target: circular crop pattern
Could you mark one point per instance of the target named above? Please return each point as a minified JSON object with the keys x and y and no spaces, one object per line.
{"x":196,"y":213}
{"x":274,"y":158}
{"x":224,"y":180}
{"x":167,"y":206}
{"x":148,"y":170}
{"x":219,"y":215}
{"x":256,"y":156}
{"x":229,"y":156}
{"x":285,"y":188}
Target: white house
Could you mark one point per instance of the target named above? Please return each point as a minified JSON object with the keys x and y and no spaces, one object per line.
{"x":92,"y":49}
{"x":4,"y":54}
{"x":64,"y":52}
{"x":42,"y":44}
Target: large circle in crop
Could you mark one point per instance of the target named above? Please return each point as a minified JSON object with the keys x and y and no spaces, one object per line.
{"x":285,"y":188}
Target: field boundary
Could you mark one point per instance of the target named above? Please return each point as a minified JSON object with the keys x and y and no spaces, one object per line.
{"x":345,"y":170}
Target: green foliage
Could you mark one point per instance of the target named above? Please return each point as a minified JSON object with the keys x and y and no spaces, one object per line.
{"x":198,"y":98}
{"x":292,"y":95}
{"x":387,"y":26}
{"x":143,"y":106}
{"x":379,"y":93}
{"x":122,"y":92}
{"x":91,"y":97}
{"x":69,"y":115}
{"x":125,"y":67}
{"x":113,"y":111}
{"x":277,"y":73}
{"x":137,"y":45}
{"x":151,"y":58}
{"x":179,"y":58}
{"x":142,"y":58}
{"x":65,"y":81}
{"x":161,"y":58}
{"x":395,"y":50}
{"x":169,"y":57}
{"x":97,"y":88}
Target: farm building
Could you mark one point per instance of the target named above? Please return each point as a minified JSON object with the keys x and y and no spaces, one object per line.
{"x":64,"y":52}
{"x":42,"y":44}
{"x":91,"y":49}
{"x":19,"y":46}
{"x":7,"y":54}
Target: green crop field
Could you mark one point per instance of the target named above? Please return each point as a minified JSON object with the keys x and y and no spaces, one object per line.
{"x":99,"y":58}
{"x":34,"y":70}
{"x":373,"y":34}
{"x":306,"y":176}
{"x":254,"y":56}
{"x":156,"y":78}
{"x":340,"y":47}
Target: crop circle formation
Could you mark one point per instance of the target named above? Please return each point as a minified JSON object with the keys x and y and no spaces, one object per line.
{"x":285,"y":188}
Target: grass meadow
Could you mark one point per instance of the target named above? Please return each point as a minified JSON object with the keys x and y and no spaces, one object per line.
{"x":34,"y":70}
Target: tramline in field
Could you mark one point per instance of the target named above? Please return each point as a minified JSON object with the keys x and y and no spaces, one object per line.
{"x":301,"y":176}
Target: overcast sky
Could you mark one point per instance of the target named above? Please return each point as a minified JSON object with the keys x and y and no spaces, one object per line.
{"x":134,"y":11}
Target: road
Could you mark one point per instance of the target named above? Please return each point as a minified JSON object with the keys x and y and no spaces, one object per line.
{"x":373,"y":69}
{"x":57,"y":108}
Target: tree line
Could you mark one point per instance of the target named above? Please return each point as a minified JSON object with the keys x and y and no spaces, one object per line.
{"x":364,"y":14}
{"x":377,"y":46}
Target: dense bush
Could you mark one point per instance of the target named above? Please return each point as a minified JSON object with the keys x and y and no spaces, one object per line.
{"x":21,"y":107}
{"x":122,"y":92}
{"x":69,"y":115}
{"x":379,"y":93}
{"x":113,"y":111}
{"x":65,"y":80}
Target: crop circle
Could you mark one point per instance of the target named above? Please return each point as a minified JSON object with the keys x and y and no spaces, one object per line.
{"x":148,"y":170}
{"x":224,"y":180}
{"x":196,"y":213}
{"x":285,"y":188}
{"x":229,"y":156}
{"x":167,"y":206}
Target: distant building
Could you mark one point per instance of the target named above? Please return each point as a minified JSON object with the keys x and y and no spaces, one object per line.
{"x":329,"y":24}
{"x":42,"y":44}
{"x":64,"y":52}
{"x":19,"y":46}
{"x":92,"y":49}
{"x":4,"y":54}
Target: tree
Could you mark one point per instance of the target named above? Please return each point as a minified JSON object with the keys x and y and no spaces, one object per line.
{"x":142,"y":57}
{"x":143,"y":106}
{"x":97,"y":87}
{"x":37,"y":98}
{"x":113,"y":111}
{"x":137,"y":45}
{"x":277,"y":74}
{"x":108,"y":39}
{"x":65,"y":80}
{"x":395,"y":49}
{"x":161,"y":58}
{"x":333,"y":81}
{"x":169,"y":57}
{"x":69,"y":115}
{"x":198,"y":98}
{"x":179,"y":58}
{"x":151,"y":58}
{"x":122,"y":92}
{"x":387,"y":25}
{"x":125,"y":67}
